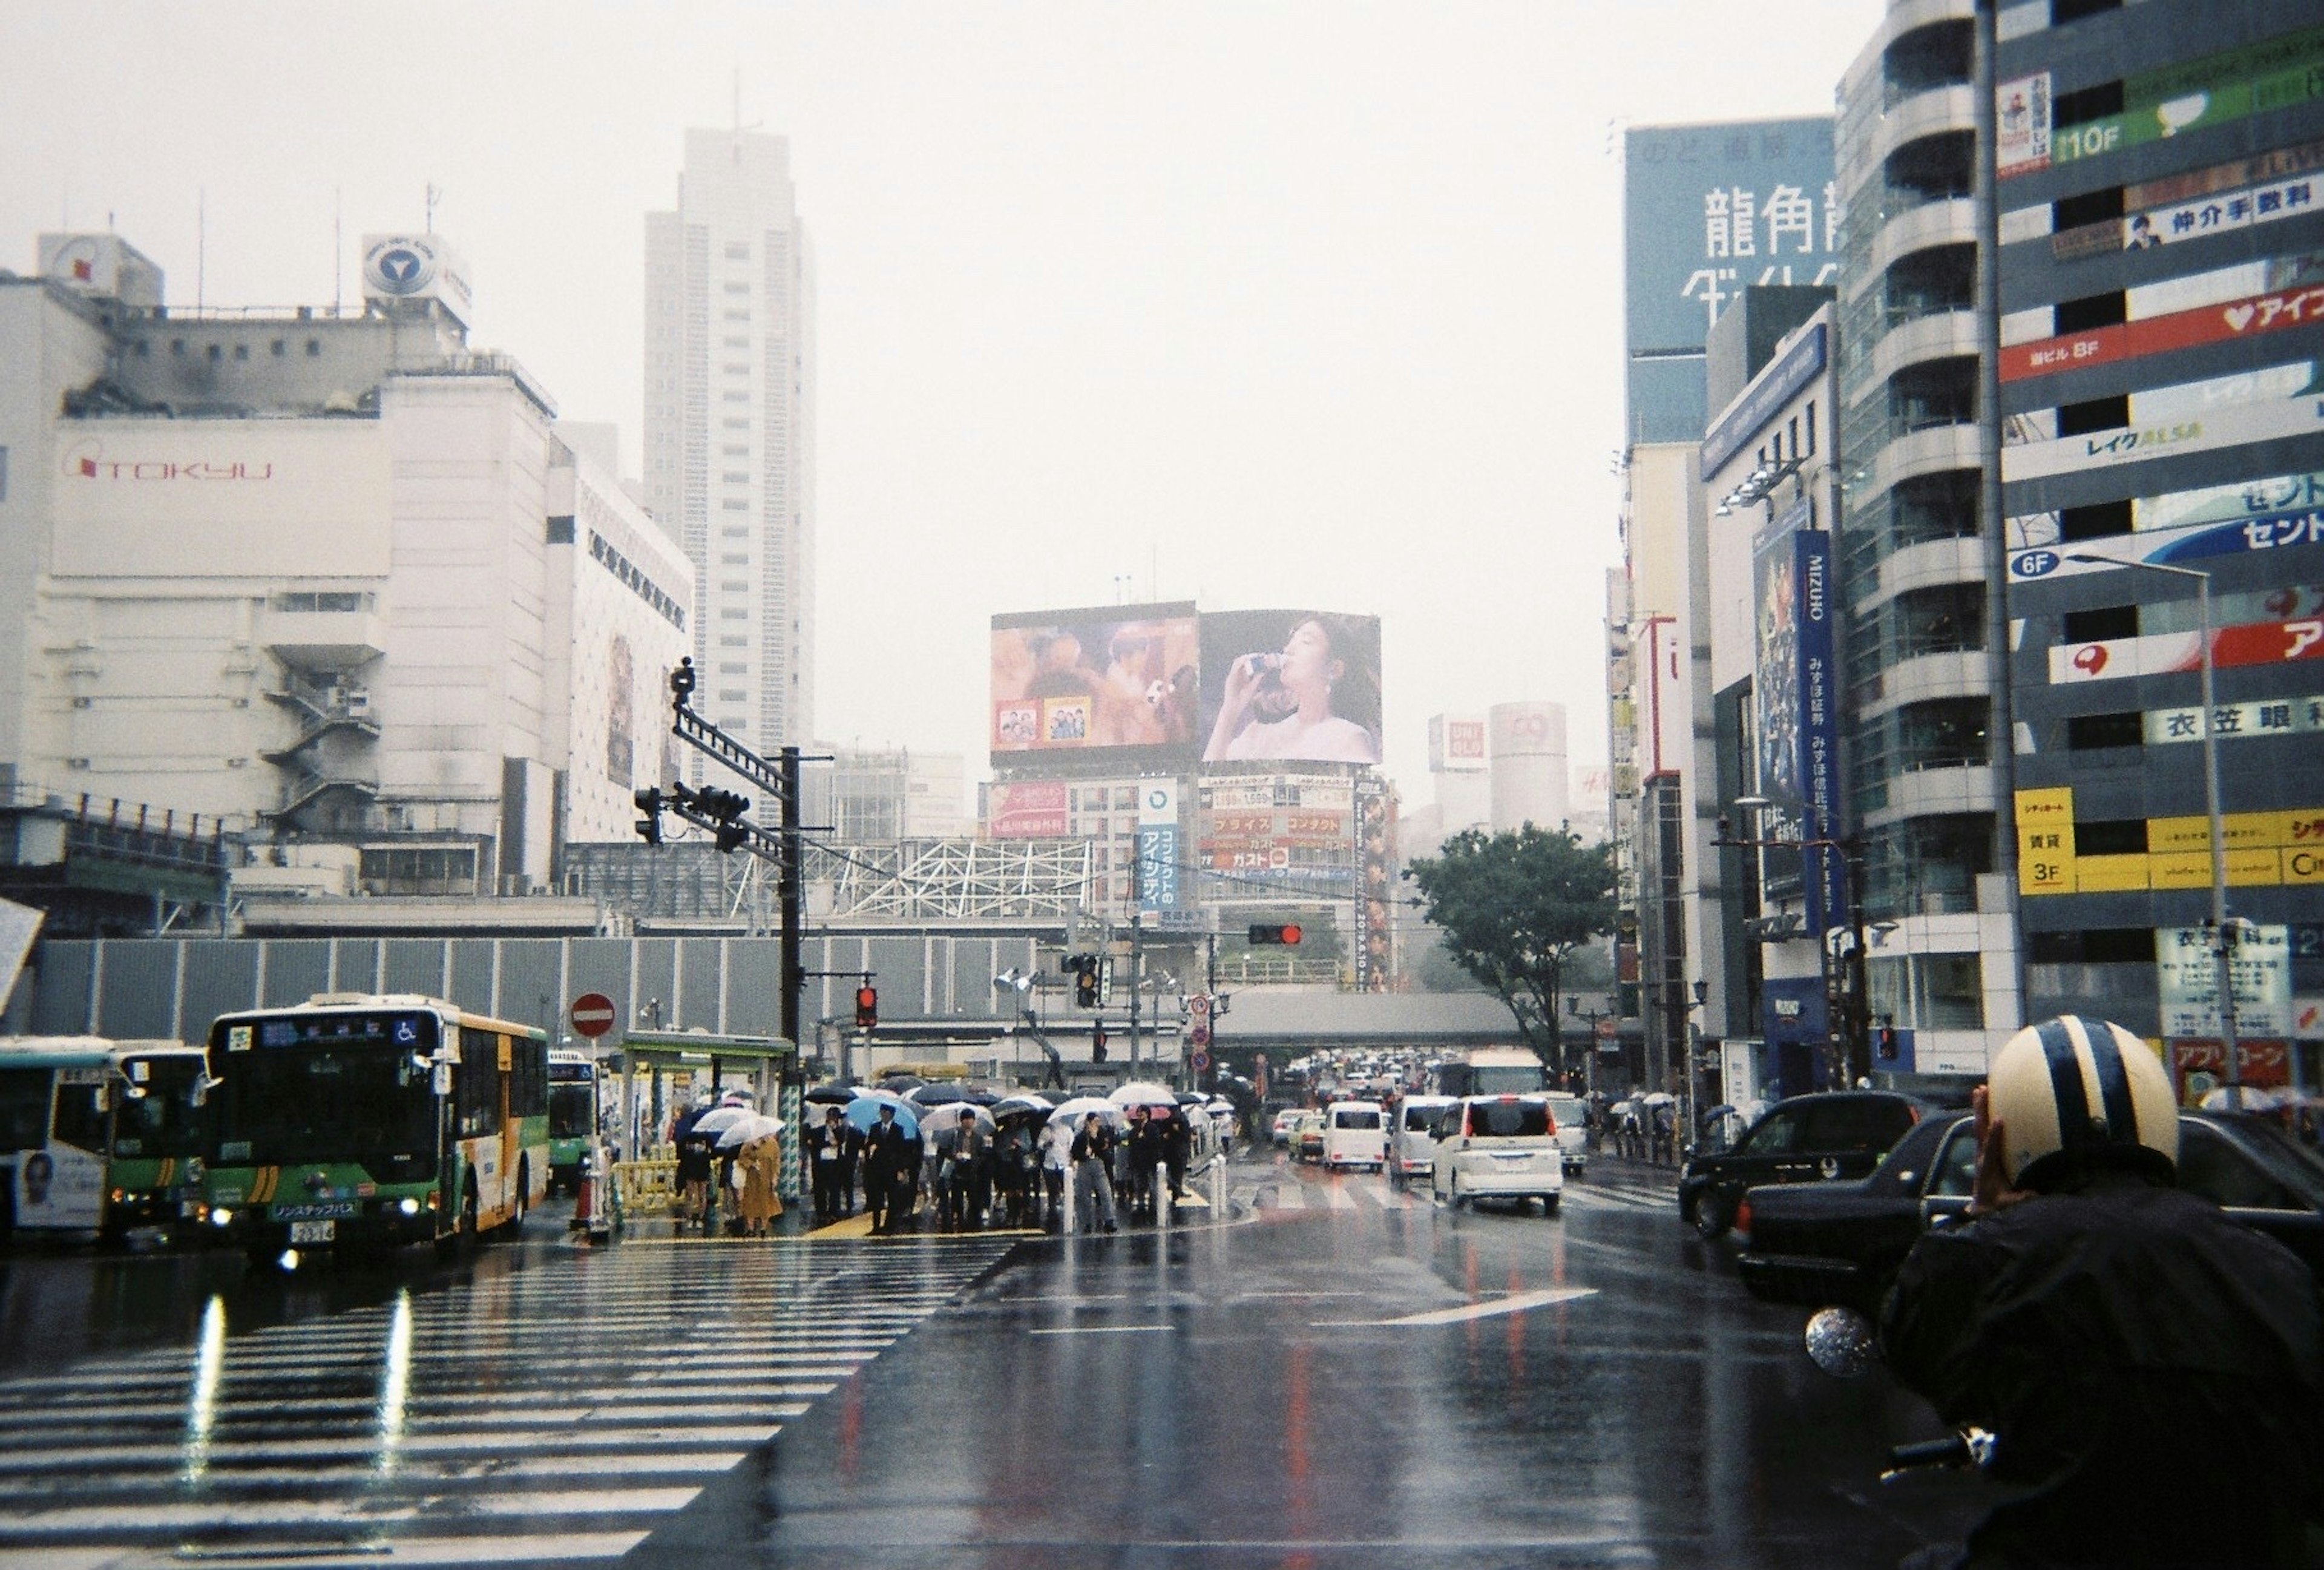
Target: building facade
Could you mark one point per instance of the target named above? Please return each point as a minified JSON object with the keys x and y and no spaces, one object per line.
{"x":1926,"y":755}
{"x":2161,"y":278}
{"x":730,"y":427}
{"x":327,"y":580}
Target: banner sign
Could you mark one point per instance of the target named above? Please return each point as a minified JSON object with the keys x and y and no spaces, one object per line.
{"x":2033,"y":456}
{"x":2192,"y":543}
{"x":1375,"y":857}
{"x":2211,"y":324}
{"x":1028,"y":809}
{"x":2160,"y":653}
{"x":1796,"y":698}
{"x":2266,"y":719}
{"x":2232,"y":85}
{"x":1158,"y":845}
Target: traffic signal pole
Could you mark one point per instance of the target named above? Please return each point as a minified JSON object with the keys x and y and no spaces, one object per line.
{"x":789,"y":895}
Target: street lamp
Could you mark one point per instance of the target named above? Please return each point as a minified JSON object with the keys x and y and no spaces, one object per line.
{"x":1855,"y":1040}
{"x":2220,"y":932}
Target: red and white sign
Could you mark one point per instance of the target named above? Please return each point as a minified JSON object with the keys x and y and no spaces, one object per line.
{"x":593,"y":1014}
{"x":2157,"y":654}
{"x":1028,"y":809}
{"x":2181,"y":329}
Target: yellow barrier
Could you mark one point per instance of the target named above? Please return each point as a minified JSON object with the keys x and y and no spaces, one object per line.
{"x":647,"y":1188}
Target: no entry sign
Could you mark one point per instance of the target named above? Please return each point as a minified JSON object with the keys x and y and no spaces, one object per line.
{"x":593,"y":1014}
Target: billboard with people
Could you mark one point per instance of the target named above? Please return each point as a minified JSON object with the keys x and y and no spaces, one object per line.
{"x":1291,"y":684}
{"x":1118,"y":681}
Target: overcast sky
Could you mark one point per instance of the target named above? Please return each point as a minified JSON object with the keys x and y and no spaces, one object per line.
{"x":1261,"y":304}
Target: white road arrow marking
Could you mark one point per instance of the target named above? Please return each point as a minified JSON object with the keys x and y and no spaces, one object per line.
{"x":1517,"y":1303}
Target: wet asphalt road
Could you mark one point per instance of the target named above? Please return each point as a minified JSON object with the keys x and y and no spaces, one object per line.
{"x":1339,"y":1374}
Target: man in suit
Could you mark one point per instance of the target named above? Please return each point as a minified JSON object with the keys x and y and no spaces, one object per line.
{"x":831,"y":1151}
{"x":891,"y":1160}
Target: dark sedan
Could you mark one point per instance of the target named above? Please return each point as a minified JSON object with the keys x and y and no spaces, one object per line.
{"x":1838,"y":1135}
{"x":1841,"y":1242}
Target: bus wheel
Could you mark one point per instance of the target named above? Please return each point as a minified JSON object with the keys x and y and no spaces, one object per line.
{"x":513,"y":1228}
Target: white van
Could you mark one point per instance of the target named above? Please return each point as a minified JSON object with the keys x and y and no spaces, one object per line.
{"x":1354,"y":1135}
{"x":1572,"y":1117}
{"x":1412,"y":1143}
{"x":1499,"y":1146}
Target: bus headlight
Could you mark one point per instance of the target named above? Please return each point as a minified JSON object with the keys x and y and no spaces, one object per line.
{"x":408,"y":1205}
{"x":221,"y":1216}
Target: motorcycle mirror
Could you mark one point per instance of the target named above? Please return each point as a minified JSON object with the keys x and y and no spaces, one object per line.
{"x":1839,"y":1342}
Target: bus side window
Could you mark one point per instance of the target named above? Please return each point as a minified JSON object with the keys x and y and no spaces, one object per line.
{"x":23,"y":1108}
{"x":80,"y":1116}
{"x":476,"y":1087}
{"x":529,"y":1095}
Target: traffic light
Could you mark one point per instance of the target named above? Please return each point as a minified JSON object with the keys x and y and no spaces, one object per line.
{"x":1889,"y":1042}
{"x":867,"y":1008}
{"x":1085,"y":981}
{"x":649,"y":801}
{"x":1097,"y":1043}
{"x":725,"y":807}
{"x":1262,"y":933}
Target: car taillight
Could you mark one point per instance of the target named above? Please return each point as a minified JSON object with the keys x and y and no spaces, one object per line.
{"x":1743,"y":1214}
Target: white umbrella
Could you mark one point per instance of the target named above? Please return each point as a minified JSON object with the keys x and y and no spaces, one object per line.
{"x":718,"y":1120}
{"x":943,"y":1120}
{"x":1072,"y":1112}
{"x":1658,"y":1098}
{"x":743,"y":1131}
{"x":1144,"y":1092}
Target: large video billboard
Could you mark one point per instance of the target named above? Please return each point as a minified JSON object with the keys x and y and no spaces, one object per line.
{"x":1117,"y":683}
{"x":1290,"y":686}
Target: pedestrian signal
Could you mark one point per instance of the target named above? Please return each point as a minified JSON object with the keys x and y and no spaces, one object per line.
{"x":1888,"y":1042}
{"x":1097,"y":1043}
{"x":867,"y":1008}
{"x":1262,"y":933}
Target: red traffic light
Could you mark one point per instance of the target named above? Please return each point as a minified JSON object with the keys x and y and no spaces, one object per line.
{"x":1265,"y":933}
{"x":867,"y":1008}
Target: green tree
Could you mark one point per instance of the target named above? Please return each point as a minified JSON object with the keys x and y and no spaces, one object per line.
{"x":1515,"y":910}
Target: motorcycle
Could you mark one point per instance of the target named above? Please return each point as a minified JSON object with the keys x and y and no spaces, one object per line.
{"x":1841,"y":1343}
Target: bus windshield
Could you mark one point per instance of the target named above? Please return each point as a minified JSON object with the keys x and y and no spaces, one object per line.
{"x":368,"y":1102}
{"x":164,"y":1120}
{"x":1505,"y":1079}
{"x":572,"y":1109}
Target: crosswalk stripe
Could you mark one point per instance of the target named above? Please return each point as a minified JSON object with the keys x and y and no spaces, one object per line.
{"x":461,"y":1425}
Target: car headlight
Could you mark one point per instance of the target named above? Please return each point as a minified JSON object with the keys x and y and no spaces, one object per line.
{"x":222,"y":1216}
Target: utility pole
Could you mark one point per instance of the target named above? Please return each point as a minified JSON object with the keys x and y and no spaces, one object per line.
{"x":790,"y":895}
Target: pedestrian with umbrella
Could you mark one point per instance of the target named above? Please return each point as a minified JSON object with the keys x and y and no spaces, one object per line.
{"x":1092,"y":1155}
{"x":832,"y":1148}
{"x":758,"y":1146}
{"x":891,"y":1158}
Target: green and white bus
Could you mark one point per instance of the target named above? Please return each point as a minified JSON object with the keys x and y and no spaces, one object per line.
{"x":98,"y":1135}
{"x":357,"y":1119}
{"x":572,"y":1117}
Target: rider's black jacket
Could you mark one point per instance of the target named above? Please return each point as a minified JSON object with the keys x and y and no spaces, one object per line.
{"x":2153,"y":1371}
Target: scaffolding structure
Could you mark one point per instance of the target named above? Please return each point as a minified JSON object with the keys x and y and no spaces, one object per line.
{"x":913,"y":880}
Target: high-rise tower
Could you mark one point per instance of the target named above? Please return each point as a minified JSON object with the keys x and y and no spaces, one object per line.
{"x":729,"y":426}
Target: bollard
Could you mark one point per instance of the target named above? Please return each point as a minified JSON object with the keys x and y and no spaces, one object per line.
{"x":1071,"y":1220}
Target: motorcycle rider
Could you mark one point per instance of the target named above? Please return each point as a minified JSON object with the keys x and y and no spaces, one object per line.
{"x":2153,"y":1371}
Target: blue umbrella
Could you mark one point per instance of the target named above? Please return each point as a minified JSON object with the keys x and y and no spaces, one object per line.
{"x":863,"y":1111}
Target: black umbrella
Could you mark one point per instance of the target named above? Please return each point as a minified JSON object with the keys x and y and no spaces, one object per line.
{"x":832,"y":1094}
{"x":983,"y":1097}
{"x":936,"y":1094}
{"x":900,"y":1083}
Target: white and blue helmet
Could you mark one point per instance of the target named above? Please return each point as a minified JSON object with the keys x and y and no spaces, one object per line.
{"x":2074,"y":1090}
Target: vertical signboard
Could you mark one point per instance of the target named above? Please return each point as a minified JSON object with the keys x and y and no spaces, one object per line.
{"x":1158,"y":845}
{"x":2259,"y":969}
{"x":1795,"y":703}
{"x":1374,"y":858}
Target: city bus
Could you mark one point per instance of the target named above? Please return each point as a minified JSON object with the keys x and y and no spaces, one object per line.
{"x":100,"y":1136}
{"x":1490,"y":1071}
{"x":572,"y":1117}
{"x":357,"y":1119}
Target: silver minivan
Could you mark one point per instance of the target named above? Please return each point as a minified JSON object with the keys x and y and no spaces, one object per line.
{"x":1412,"y":1143}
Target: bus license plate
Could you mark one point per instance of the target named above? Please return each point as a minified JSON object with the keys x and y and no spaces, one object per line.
{"x":313,"y":1231}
